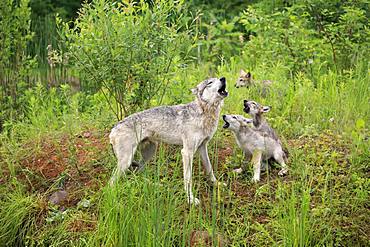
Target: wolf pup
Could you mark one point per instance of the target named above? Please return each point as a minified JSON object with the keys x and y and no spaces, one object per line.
{"x":246,"y":80}
{"x":256,"y":111}
{"x":190,"y":125}
{"x":254,"y":143}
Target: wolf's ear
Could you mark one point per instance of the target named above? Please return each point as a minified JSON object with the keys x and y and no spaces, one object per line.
{"x":242,"y":72}
{"x":248,"y":75}
{"x":194,"y":91}
{"x":266,"y":109}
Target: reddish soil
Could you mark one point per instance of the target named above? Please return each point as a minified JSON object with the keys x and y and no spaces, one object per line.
{"x":243,"y":190}
{"x":74,"y":161}
{"x":223,"y":153}
{"x":203,"y":238}
{"x":80,"y":225}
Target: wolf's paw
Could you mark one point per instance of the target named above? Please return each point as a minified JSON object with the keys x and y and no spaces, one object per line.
{"x":255,"y":179}
{"x":283,"y":172}
{"x":238,"y":170}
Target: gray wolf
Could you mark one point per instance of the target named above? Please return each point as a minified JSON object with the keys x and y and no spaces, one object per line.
{"x":256,"y":111}
{"x":256,"y":145}
{"x":246,"y":80}
{"x":190,"y":125}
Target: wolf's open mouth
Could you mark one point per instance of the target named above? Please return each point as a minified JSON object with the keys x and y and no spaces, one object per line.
{"x":246,"y":106}
{"x":246,"y":109}
{"x":222,"y":91}
{"x":227,"y":124}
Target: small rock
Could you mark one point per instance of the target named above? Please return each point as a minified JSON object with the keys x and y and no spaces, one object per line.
{"x":87,"y":134}
{"x":58,"y":197}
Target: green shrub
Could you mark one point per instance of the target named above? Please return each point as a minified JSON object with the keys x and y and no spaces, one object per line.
{"x":129,"y":50}
{"x":15,"y":65}
{"x":310,"y":36}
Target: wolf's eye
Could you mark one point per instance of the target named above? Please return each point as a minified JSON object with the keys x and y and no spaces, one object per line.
{"x":240,"y":79}
{"x":234,"y":117}
{"x":209,"y":83}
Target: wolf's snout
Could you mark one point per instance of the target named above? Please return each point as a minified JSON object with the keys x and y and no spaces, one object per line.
{"x":223,"y":117}
{"x":245,"y":102}
{"x":223,"y":80}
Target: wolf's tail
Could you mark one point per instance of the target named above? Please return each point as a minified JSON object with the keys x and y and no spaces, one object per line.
{"x":112,"y":141}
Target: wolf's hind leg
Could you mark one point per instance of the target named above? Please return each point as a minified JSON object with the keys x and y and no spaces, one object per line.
{"x":206,"y":163}
{"x":125,"y":148}
{"x":279,"y":157}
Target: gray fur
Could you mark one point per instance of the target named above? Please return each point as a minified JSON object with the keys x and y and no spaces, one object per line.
{"x":190,"y":125}
{"x":255,"y":143}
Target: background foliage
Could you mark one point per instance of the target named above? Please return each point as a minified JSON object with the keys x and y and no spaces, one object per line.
{"x":132,"y":65}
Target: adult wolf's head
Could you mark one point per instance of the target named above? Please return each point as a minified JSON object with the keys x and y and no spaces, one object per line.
{"x":253,"y":108}
{"x":235,"y":122}
{"x":244,"y":80}
{"x":211,"y":91}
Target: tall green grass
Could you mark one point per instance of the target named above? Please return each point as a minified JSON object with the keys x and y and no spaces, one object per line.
{"x":18,"y":218}
{"x":150,"y":209}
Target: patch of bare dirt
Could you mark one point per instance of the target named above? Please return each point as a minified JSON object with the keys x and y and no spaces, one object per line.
{"x":72,"y":161}
{"x":223,"y":153}
{"x":243,"y":190}
{"x":82,"y":225}
{"x":203,"y":238}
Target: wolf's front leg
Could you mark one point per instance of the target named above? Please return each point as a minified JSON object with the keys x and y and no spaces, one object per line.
{"x":206,"y":163}
{"x":256,"y":161}
{"x":187,"y":159}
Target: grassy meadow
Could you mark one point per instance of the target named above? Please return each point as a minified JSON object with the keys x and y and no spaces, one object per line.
{"x":56,"y":140}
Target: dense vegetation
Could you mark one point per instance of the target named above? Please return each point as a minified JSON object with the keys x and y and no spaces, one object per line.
{"x":70,"y":70}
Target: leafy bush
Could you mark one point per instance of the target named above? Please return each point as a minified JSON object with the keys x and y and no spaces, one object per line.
{"x":308,"y":36}
{"x":129,"y":50}
{"x":15,"y":65}
{"x":281,"y":37}
{"x":220,"y":32}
